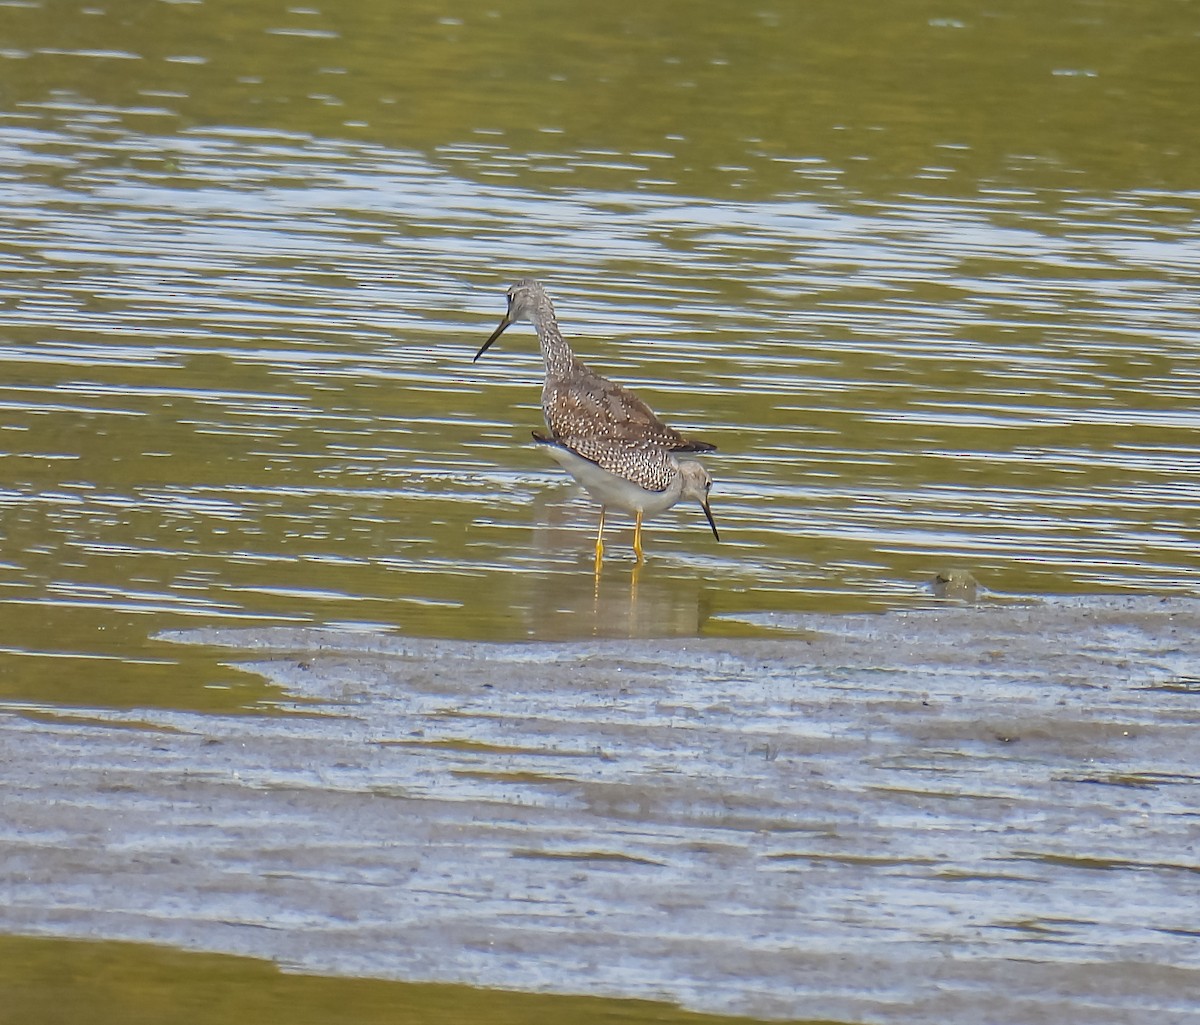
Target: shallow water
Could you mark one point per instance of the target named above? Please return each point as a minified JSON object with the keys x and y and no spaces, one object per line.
{"x":236,"y":353}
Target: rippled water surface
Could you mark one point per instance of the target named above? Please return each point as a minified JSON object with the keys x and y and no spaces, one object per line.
{"x":935,"y":320}
{"x":926,"y":273}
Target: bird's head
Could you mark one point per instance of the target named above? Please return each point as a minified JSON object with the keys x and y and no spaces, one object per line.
{"x":523,"y":298}
{"x":696,"y":485}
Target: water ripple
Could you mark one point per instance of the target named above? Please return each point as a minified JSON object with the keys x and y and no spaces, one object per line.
{"x":248,"y":368}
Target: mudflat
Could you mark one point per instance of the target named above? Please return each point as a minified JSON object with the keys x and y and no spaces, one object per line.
{"x":974,"y":814}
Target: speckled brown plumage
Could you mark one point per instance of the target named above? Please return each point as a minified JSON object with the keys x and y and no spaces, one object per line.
{"x":577,"y":401}
{"x":649,"y":466}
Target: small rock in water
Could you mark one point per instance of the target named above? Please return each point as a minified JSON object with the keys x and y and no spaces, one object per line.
{"x":955,"y":583}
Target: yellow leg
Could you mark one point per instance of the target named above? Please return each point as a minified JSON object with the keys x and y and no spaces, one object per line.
{"x":600,"y":541}
{"x":637,"y":536}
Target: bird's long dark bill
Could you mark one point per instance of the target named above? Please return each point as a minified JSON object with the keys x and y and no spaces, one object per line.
{"x":708,"y":514}
{"x":495,"y":334}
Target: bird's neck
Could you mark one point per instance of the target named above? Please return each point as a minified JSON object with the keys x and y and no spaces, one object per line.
{"x":560,"y":360}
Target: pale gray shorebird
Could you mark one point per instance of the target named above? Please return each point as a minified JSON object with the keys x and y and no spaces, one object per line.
{"x":637,"y":477}
{"x":576,"y":401}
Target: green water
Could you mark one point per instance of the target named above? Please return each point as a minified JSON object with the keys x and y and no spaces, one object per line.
{"x":131,"y":984}
{"x":926,"y":273}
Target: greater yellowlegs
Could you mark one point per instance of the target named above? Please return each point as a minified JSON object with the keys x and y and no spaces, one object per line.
{"x":577,"y":401}
{"x":637,"y":477}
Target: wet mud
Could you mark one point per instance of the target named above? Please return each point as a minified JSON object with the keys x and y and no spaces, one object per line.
{"x":972,"y":814}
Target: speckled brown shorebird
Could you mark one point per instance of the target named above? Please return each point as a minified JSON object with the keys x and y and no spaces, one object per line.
{"x":576,"y":401}
{"x":638,"y":477}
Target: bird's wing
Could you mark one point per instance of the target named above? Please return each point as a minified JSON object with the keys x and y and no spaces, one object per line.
{"x":590,"y":404}
{"x":643,"y":463}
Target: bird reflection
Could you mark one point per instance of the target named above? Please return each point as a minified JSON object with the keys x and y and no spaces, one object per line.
{"x":618,"y":601}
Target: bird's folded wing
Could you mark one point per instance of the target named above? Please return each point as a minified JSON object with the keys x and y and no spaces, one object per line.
{"x":603,"y":406}
{"x":643,"y":463}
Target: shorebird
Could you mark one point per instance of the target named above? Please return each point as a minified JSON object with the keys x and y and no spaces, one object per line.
{"x":638,"y":477}
{"x":576,"y":401}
